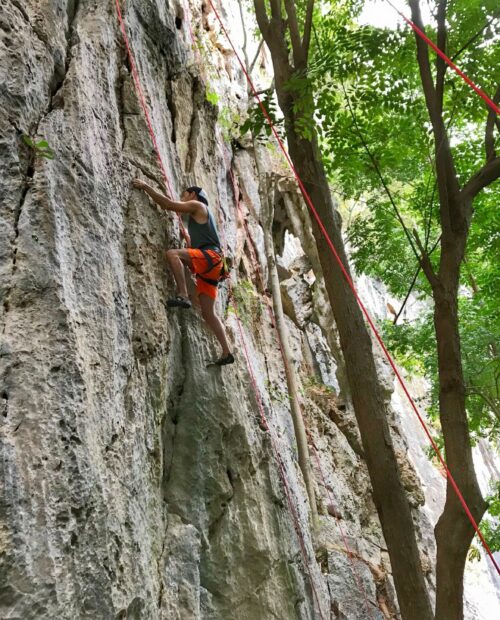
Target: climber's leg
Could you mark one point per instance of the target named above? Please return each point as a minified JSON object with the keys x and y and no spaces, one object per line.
{"x":176,"y":260}
{"x":208,"y":312}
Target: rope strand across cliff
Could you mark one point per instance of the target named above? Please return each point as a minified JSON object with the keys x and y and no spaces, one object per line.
{"x":280,"y":465}
{"x":273,"y":321}
{"x":144,"y":106}
{"x":349,"y":281}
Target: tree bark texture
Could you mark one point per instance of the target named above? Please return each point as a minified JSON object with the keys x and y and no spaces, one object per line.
{"x":367,"y":395}
{"x":368,"y":401}
{"x":454,"y":531}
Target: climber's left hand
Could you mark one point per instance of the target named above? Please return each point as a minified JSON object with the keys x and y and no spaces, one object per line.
{"x":138,"y":184}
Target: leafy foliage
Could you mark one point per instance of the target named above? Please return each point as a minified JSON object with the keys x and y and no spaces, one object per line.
{"x":212,"y":97}
{"x":374,"y":130}
{"x":490,"y":526}
{"x":257,"y":122}
{"x":247,"y":302}
{"x":374,"y":123}
{"x":40,"y":148}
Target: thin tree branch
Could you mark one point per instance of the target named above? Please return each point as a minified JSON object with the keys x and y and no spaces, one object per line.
{"x":264,"y":91}
{"x":428,"y":223}
{"x":379,"y":173}
{"x":273,"y":31}
{"x":472,"y":389}
{"x":472,"y":39}
{"x":425,"y":262}
{"x":413,"y":282}
{"x":262,"y":17}
{"x":489,"y":138}
{"x":252,"y":64}
{"x":293,"y":27}
{"x":440,"y":63}
{"x":242,"y":17}
{"x":306,"y":39}
{"x":316,"y":38}
{"x":489,"y":173}
{"x":445,"y":167}
{"x":424,"y":63}
{"x":471,"y":278}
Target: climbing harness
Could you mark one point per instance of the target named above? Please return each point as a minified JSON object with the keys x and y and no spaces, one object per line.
{"x":225,"y":272}
{"x":367,"y":315}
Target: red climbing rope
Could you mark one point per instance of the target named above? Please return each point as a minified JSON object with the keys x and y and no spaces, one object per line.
{"x":281,"y":467}
{"x":273,"y":320}
{"x":350,"y":554}
{"x":265,"y":425}
{"x":309,"y":202}
{"x":142,"y":100}
{"x":440,"y":53}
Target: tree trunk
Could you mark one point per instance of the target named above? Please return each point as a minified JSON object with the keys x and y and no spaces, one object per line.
{"x":267,"y":191}
{"x":367,"y":397}
{"x":368,"y":401}
{"x":454,"y":532}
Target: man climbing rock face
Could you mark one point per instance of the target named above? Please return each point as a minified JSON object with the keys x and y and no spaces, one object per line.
{"x":203,"y":256}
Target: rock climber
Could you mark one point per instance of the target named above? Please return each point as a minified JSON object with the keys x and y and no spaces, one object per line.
{"x":203,"y":256}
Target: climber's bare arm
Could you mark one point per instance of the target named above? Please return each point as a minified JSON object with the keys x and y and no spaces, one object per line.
{"x":191,"y":207}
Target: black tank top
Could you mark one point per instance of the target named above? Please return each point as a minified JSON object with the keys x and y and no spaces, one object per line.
{"x":204,"y":235}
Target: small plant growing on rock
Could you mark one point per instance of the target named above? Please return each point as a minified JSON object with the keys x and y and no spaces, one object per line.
{"x":276,"y":394}
{"x":40,"y":148}
{"x":312,"y":384}
{"x":248,"y":302}
{"x":229,"y":120}
{"x":212,"y":97}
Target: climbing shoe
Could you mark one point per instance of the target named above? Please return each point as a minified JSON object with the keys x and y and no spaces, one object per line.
{"x":178,"y":302}
{"x":229,"y":359}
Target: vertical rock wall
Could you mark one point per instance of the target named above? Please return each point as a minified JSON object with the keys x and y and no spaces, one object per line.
{"x":135,"y":483}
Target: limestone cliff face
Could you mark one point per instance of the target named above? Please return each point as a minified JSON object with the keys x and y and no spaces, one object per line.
{"x":135,"y":483}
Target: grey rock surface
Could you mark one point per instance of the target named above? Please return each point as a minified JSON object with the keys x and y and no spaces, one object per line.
{"x":135,"y":484}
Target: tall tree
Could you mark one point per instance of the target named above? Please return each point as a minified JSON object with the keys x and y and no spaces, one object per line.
{"x":454,"y":531}
{"x":380,"y":91}
{"x":279,"y":24}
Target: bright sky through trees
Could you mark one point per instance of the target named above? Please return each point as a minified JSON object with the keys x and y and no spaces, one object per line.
{"x":379,"y":13}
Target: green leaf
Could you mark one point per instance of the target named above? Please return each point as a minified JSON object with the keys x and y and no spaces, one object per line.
{"x":212,"y":97}
{"x":365,"y":87}
{"x":27,"y":140}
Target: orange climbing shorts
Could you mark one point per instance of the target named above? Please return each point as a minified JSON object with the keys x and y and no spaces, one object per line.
{"x":200,"y":266}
